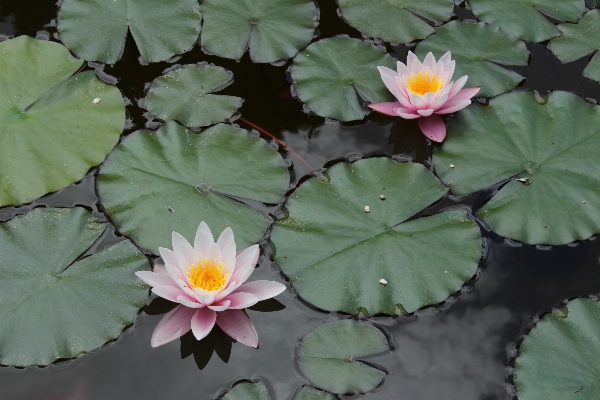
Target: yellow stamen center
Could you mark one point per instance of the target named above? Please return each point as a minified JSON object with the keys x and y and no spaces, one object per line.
{"x":424,"y":82}
{"x":207,"y":275}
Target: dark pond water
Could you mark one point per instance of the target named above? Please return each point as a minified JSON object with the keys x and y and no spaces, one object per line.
{"x":460,"y":350}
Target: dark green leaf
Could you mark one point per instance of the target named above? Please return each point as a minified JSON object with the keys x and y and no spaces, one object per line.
{"x":248,"y":391}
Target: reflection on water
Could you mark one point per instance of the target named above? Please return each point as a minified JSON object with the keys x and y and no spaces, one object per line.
{"x":457,"y":353}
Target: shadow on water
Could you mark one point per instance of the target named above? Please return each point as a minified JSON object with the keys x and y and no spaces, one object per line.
{"x":458,"y":351}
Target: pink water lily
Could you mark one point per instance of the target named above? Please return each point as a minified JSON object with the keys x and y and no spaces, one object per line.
{"x":208,"y":280}
{"x":423,"y":91}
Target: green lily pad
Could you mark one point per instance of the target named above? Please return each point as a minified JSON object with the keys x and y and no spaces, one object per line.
{"x":559,"y":357}
{"x":331,"y":74}
{"x":524,"y":18}
{"x":395,"y":21}
{"x":273,"y":29}
{"x":52,"y":128}
{"x":154,"y":183}
{"x":478,"y":49}
{"x":308,"y":393}
{"x":248,"y":391}
{"x":185,"y":95}
{"x":579,"y":40}
{"x":335,"y":253}
{"x":96,"y":29}
{"x":54,"y":304}
{"x":552,"y":147}
{"x":329,"y":356}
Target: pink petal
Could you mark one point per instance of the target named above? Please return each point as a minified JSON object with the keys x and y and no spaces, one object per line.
{"x":417,"y":101}
{"x":184,"y":300}
{"x":242,"y":274}
{"x":154,"y":279}
{"x":229,"y":252}
{"x":176,"y":239}
{"x":225,"y":238}
{"x":453,"y":106}
{"x":449,"y":71}
{"x":168,"y":292}
{"x":173,"y":325}
{"x":160,"y":269}
{"x":458,"y":85}
{"x":241,"y":300}
{"x":387,"y":108}
{"x":402,"y":69}
{"x":186,"y":251}
{"x":429,"y":61}
{"x":408,"y":116}
{"x":202,"y":322}
{"x":425,"y":113}
{"x":237,"y":325}
{"x":247,"y":256}
{"x":413,"y":63}
{"x":467,"y":93}
{"x":433,"y":127}
{"x":220,"y":306}
{"x":202,"y":242}
{"x":204,"y":228}
{"x":206,"y":299}
{"x":175,"y":272}
{"x":185,"y":287}
{"x":262,"y":289}
{"x":388,"y":77}
{"x":214,"y":253}
{"x":404,"y":100}
{"x":231,"y":286}
{"x":168,"y":256}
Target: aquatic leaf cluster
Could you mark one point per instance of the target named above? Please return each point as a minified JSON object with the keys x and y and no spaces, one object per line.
{"x":360,"y":238}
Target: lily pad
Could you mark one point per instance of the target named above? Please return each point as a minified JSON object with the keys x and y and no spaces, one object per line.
{"x":273,"y":30}
{"x":335,"y":253}
{"x":248,"y":391}
{"x":52,"y":128}
{"x":54,"y":304}
{"x":185,"y":95}
{"x":395,"y":21}
{"x":154,"y":183}
{"x":479,"y":51}
{"x":329,"y":356}
{"x":524,"y":18}
{"x":559,"y":357}
{"x":96,"y":29}
{"x":579,"y":40}
{"x":308,"y":393}
{"x":332,"y":74}
{"x":551,"y":147}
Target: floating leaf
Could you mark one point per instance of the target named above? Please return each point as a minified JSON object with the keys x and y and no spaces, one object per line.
{"x":552,"y":147}
{"x":54,"y":304}
{"x":248,"y":391}
{"x":579,"y":40}
{"x":477,"y":50}
{"x":185,"y":95}
{"x":331,"y":74}
{"x":395,"y":21}
{"x":96,"y":29}
{"x":53,"y":129}
{"x":154,"y":183}
{"x":308,"y":393}
{"x":273,"y":29}
{"x":335,"y":253}
{"x":559,"y":357}
{"x":328,"y":355}
{"x":524,"y":18}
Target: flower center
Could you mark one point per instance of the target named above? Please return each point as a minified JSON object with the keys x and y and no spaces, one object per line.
{"x":424,"y":82}
{"x":207,"y":275}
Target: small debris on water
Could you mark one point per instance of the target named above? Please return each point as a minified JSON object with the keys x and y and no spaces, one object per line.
{"x":451,"y":165}
{"x":526,"y":181}
{"x":367,"y":209}
{"x":96,"y":100}
{"x":382,"y":197}
{"x":584,"y":202}
{"x":171,"y":209}
{"x":383,"y":282}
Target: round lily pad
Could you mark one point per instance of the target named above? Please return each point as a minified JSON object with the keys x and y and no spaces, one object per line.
{"x":96,"y":29}
{"x":185,"y":95}
{"x":552,"y":148}
{"x":579,"y":40}
{"x":273,"y":30}
{"x":54,"y":304}
{"x":336,"y":254}
{"x":479,"y":51}
{"x":248,"y":391}
{"x":559,"y":357}
{"x":308,"y":393}
{"x":329,"y":356}
{"x":524,"y":18}
{"x":395,"y":21}
{"x":154,"y":183}
{"x":332,"y":75}
{"x":55,"y":125}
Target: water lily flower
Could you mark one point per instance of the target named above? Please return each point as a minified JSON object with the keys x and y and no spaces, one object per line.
{"x":208,"y":280}
{"x":425,"y":90}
